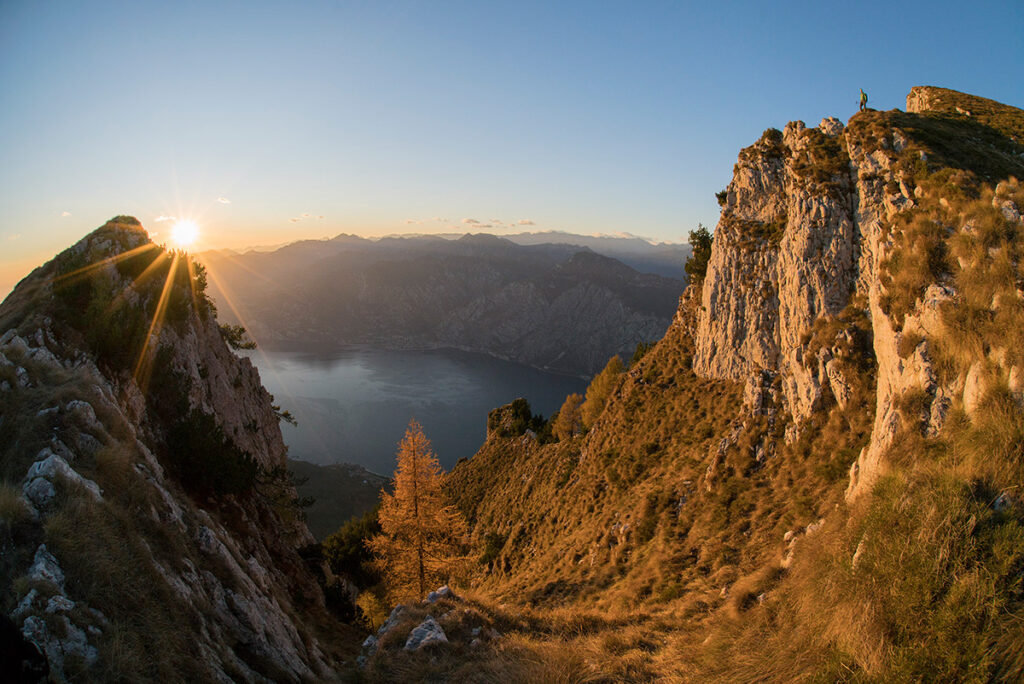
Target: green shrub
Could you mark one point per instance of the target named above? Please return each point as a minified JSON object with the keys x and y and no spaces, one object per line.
{"x":235,"y":336}
{"x":346,"y":553}
{"x":696,"y":266}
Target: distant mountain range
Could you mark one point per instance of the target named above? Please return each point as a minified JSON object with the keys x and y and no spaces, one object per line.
{"x":560,"y":306}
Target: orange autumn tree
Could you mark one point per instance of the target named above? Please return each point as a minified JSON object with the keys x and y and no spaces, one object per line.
{"x":422,"y":541}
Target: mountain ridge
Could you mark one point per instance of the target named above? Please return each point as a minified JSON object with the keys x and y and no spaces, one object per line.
{"x":477,"y":293}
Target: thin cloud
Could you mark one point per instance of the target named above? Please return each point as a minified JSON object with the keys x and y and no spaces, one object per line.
{"x":319,"y":217}
{"x":16,"y":236}
{"x":306,"y":215}
{"x":161,"y":219}
{"x":470,"y":221}
{"x":295,"y":219}
{"x":525,"y":222}
{"x":224,"y":200}
{"x":441,"y":220}
{"x":65,"y":213}
{"x":413,"y":222}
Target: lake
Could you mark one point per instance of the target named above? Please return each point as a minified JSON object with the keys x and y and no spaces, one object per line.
{"x":353,"y":406}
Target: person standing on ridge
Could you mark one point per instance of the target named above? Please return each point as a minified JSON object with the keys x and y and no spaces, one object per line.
{"x":863,"y":100}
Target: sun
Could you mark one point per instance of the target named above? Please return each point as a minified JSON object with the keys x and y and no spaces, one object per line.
{"x":184,"y":234}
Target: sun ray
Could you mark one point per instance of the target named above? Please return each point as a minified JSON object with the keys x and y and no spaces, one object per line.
{"x":89,"y":268}
{"x":192,"y":283}
{"x":142,"y":277}
{"x":227,"y":299}
{"x":143,"y":367}
{"x":238,"y":263}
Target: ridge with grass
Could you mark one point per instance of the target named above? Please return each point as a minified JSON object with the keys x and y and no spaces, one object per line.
{"x":816,"y":475}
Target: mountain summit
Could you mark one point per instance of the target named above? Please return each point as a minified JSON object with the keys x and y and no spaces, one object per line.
{"x":149,"y":529}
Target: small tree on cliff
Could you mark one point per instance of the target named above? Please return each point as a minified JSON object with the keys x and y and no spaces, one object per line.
{"x":421,"y":543}
{"x":697,"y":265}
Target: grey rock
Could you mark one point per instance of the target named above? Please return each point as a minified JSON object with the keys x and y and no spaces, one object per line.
{"x":45,"y":568}
{"x":428,"y":633}
{"x":441,"y":593}
{"x":26,"y":606}
{"x":974,"y":388}
{"x":57,"y":649}
{"x":831,"y":126}
{"x":393,"y":619}
{"x":85,"y":416}
{"x":39,"y":491}
{"x":51,"y":466}
{"x":59,"y":604}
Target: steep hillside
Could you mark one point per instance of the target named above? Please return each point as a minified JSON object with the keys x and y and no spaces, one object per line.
{"x":148,"y":526}
{"x":815,"y":474}
{"x":554,"y":307}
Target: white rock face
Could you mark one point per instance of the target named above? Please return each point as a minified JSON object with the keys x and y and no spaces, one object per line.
{"x":762,"y":293}
{"x":793,"y":246}
{"x":45,"y":568}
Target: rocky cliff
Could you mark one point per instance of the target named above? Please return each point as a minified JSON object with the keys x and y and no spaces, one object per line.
{"x":148,"y":526}
{"x":809,"y":228}
{"x":814,"y":474}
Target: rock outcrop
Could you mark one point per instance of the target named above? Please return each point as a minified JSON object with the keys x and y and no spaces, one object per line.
{"x":122,"y":562}
{"x":805,"y":233}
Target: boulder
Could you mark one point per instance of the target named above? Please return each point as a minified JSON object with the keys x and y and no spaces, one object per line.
{"x":45,"y":568}
{"x":51,"y":466}
{"x":393,"y":619}
{"x":429,"y":633}
{"x":39,"y":491}
{"x":442,"y":593}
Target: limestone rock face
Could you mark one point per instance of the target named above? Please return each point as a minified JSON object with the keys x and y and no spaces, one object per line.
{"x":785,"y":252}
{"x":803,"y":232}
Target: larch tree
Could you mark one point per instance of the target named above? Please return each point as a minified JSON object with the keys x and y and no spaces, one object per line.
{"x":422,"y":541}
{"x":600,"y":389}
{"x":569,"y":421}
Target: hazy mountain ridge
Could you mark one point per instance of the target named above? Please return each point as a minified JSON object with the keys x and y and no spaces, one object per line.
{"x":821,"y":496}
{"x":551,"y":306}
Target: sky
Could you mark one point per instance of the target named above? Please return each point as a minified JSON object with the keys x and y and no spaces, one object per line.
{"x":270,"y":122}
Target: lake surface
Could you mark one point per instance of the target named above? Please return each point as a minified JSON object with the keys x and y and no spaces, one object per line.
{"x":353,"y":406}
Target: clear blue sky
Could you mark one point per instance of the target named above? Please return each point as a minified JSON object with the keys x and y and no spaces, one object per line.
{"x":579,"y":116}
